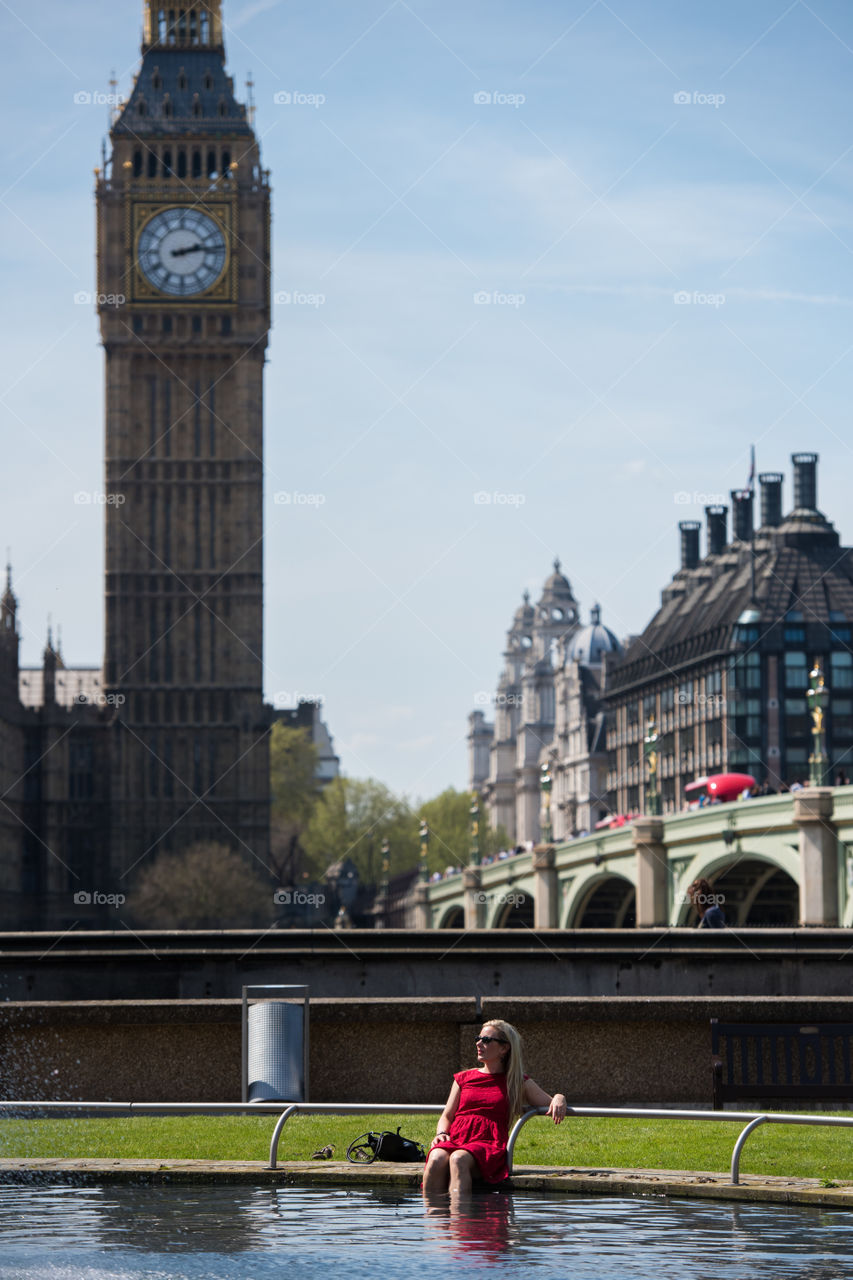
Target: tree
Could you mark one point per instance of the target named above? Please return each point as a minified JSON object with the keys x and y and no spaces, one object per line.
{"x":449,"y":818}
{"x":293,"y":774}
{"x":352,"y":818}
{"x":294,"y":791}
{"x":206,"y":886}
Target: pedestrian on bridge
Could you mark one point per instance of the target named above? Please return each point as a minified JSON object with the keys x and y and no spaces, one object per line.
{"x":707,"y":903}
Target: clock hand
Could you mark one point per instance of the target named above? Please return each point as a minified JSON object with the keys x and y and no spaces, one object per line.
{"x":192,"y":248}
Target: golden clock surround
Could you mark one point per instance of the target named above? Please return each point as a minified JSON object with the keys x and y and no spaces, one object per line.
{"x":223,"y":211}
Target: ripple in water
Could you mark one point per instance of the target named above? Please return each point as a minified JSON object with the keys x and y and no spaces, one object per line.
{"x":250,"y":1233}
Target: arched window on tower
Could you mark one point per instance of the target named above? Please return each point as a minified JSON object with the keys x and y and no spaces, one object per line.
{"x":137,"y":163}
{"x":222,"y":108}
{"x":193,"y":27}
{"x":161,"y":26}
{"x":196,"y":106}
{"x":152,"y":164}
{"x":171,"y":32}
{"x":205,"y":27}
{"x":167,"y":106}
{"x":167,"y":164}
{"x":182,"y":25}
{"x":196,"y":163}
{"x":211,"y":164}
{"x":208,"y":81}
{"x":156,"y":79}
{"x":226,"y":163}
{"x":140,"y":107}
{"x":182,"y":163}
{"x":182,"y":79}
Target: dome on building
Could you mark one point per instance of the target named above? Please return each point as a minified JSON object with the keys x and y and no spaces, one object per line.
{"x":557,"y":605}
{"x":590,"y":643}
{"x":523,"y":616}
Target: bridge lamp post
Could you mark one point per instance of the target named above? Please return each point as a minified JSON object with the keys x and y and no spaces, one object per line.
{"x":650,"y":752}
{"x":423,"y":865}
{"x":474,"y":813}
{"x":817,"y":698}
{"x":545,"y":784}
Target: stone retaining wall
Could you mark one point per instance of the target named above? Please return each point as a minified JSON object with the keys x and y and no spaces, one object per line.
{"x":606,"y":1051}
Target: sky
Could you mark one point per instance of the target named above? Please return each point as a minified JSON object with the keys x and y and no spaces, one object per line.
{"x":543,"y":272}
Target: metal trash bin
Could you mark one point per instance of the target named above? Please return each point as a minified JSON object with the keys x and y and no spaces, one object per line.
{"x":275,"y":1047}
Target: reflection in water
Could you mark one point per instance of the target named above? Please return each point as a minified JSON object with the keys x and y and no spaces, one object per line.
{"x":480,"y":1224}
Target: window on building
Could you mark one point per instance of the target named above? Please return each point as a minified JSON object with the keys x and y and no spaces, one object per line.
{"x":841,"y":719}
{"x":841,"y":671}
{"x":796,"y":670}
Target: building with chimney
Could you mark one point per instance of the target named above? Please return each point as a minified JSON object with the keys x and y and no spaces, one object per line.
{"x":722,"y":669}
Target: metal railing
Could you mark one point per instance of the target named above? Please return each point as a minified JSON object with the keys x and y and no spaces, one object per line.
{"x":752,"y":1119}
{"x":353,"y":1109}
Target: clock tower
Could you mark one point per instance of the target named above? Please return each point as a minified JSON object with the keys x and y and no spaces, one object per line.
{"x":184,"y":306}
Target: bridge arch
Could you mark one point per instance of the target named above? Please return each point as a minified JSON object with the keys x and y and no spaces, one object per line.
{"x":514,"y":911}
{"x":605,"y":900}
{"x":757,"y":889}
{"x":453,"y":917}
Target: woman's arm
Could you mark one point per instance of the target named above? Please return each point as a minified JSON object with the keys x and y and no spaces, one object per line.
{"x":536,"y":1097}
{"x":446,"y":1118}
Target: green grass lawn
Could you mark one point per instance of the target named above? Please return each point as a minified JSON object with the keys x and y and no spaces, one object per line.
{"x":791,"y":1151}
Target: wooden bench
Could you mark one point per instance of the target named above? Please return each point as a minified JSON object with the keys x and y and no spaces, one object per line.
{"x":782,"y":1061}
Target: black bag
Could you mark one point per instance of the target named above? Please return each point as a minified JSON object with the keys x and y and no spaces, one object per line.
{"x":384,"y":1146}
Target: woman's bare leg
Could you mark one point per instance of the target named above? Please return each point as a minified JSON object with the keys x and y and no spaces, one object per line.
{"x":462,"y":1166}
{"x":437,"y":1172}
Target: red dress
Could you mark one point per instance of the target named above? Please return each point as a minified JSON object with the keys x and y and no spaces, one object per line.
{"x":481,"y":1123}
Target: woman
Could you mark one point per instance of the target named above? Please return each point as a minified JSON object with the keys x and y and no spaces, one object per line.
{"x":474,"y":1126}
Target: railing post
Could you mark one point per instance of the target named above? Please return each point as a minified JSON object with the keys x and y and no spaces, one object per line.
{"x":652,"y":873}
{"x":423,"y":915}
{"x":753,"y":1124}
{"x":475,"y":899}
{"x":818,"y":857}
{"x":546,"y":900}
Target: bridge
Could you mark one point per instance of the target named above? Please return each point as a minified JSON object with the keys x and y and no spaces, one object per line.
{"x":782,"y":860}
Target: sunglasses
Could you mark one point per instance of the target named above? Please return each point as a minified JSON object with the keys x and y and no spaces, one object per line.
{"x":490,"y":1040}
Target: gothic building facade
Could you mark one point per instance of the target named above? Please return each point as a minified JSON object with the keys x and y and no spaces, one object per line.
{"x":167,"y":743}
{"x":547,"y":713}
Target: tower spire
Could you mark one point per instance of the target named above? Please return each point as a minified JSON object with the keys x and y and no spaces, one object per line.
{"x":8,"y":601}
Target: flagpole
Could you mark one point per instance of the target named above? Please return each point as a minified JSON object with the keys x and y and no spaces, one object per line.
{"x":752,"y":527}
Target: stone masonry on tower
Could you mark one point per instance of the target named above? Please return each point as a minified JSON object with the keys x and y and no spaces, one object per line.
{"x":184,"y":239}
{"x":166,"y":744}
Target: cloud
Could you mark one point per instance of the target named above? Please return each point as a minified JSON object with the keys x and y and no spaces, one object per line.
{"x":251,"y":11}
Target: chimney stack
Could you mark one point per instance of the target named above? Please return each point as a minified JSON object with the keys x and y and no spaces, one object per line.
{"x":771,"y":499}
{"x":805,"y":481}
{"x":689,"y":543}
{"x":718,"y":536}
{"x":742,"y":514}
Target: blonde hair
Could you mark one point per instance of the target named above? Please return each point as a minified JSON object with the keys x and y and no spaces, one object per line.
{"x":513,"y":1065}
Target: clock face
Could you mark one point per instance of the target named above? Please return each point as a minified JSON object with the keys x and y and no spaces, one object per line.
{"x":181,"y":251}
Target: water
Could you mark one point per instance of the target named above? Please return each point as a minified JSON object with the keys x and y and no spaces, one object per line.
{"x":250,"y":1233}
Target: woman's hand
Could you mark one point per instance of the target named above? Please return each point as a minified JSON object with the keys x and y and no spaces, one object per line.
{"x":441,"y":1136}
{"x":557,"y":1108}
